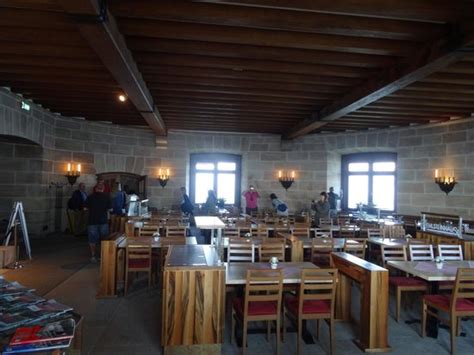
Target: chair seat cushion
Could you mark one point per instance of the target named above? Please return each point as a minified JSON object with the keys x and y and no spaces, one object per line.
{"x":405,"y":281}
{"x":256,"y":308}
{"x":139,"y":263}
{"x":309,"y":306}
{"x":442,"y":302}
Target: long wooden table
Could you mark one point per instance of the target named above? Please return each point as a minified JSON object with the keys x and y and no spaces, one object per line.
{"x":373,"y":281}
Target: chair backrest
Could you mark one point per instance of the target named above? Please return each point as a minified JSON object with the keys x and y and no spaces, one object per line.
{"x":342,"y":221}
{"x":395,"y":231}
{"x":138,"y":258}
{"x":357,"y":249}
{"x":231,"y":233}
{"x":394,"y":253}
{"x":263,"y":286}
{"x":325,"y":222}
{"x":300,"y":232}
{"x":175,"y":231}
{"x":347,"y":232}
{"x":260,"y":232}
{"x":463,"y":287}
{"x":323,"y":233}
{"x":317,"y":284}
{"x":147,"y":230}
{"x":450,"y":251}
{"x":267,"y":250}
{"x":240,"y":251}
{"x":321,"y":250}
{"x":421,"y":252}
{"x":281,"y":228}
{"x":375,"y":233}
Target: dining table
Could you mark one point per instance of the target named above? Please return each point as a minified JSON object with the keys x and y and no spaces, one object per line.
{"x":433,"y":273}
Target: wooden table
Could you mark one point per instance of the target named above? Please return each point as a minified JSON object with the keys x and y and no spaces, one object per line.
{"x":373,"y":281}
{"x":193,"y":300}
{"x":389,"y":242}
{"x":213,"y":223}
{"x":427,"y":270}
{"x":236,"y":273}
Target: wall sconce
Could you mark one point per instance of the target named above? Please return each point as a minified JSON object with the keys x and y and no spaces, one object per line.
{"x":163,"y":176}
{"x":286,"y":179}
{"x":73,"y":172}
{"x":446,"y":183}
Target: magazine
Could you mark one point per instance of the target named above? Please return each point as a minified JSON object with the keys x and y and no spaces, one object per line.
{"x":60,"y":330}
{"x":12,"y":302}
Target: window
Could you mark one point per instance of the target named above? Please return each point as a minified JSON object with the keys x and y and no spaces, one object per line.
{"x":369,"y":178}
{"x":218,"y":172}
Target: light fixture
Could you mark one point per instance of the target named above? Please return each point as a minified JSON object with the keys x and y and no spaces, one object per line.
{"x":73,"y":172}
{"x":446,"y":183}
{"x":163,"y":176}
{"x":286,"y":178}
{"x":122,"y":98}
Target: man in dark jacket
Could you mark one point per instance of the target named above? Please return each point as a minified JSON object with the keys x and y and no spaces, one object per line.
{"x":99,"y":204}
{"x":186,"y":204}
{"x":76,"y":212}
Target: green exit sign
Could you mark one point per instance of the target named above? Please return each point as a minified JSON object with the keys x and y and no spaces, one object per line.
{"x":25,"y":106}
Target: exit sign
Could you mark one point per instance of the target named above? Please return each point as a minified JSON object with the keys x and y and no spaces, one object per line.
{"x":25,"y":106}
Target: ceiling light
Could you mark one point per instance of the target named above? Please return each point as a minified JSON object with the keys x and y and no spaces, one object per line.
{"x":122,"y":98}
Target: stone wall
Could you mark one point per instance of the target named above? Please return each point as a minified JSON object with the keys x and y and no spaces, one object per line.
{"x":101,"y":147}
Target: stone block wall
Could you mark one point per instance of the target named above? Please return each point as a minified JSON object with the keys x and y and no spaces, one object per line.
{"x":55,"y":140}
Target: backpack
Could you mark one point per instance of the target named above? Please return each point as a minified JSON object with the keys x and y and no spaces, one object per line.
{"x":282,"y":207}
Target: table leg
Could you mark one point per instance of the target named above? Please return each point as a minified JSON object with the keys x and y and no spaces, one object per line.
{"x":432,"y":323}
{"x":212,"y":236}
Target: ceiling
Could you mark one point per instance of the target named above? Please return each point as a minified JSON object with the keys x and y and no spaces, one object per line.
{"x":274,"y":66}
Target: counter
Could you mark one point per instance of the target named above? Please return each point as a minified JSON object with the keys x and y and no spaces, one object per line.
{"x":193,"y":300}
{"x":433,"y":237}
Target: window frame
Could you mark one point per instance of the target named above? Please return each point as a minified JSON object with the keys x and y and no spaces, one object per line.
{"x":215,"y":158}
{"x":369,"y":158}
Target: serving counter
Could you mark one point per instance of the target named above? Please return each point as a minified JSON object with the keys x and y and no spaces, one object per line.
{"x":193,"y":300}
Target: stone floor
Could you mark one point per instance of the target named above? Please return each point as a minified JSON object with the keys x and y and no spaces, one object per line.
{"x":131,"y":325}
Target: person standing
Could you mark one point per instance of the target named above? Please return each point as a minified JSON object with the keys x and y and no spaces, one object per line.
{"x":251,"y":200}
{"x":76,"y":210}
{"x":321,"y":207}
{"x":99,"y":204}
{"x":119,"y":199}
{"x":210,"y":207}
{"x":280,"y":207}
{"x":186,"y":205}
{"x":332,"y":199}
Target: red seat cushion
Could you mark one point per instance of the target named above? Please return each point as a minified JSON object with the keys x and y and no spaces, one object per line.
{"x":442,"y":302}
{"x":138,"y":263}
{"x":256,"y":308}
{"x":309,"y":306}
{"x":405,"y":281}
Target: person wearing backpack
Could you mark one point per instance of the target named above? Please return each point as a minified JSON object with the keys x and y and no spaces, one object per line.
{"x":280,"y":207}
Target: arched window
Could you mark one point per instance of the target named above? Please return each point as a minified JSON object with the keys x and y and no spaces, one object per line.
{"x":218,"y":172}
{"x":370,"y":179}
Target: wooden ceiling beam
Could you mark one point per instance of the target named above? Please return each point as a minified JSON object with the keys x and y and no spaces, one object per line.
{"x":263,"y":37}
{"x":418,"y":10}
{"x":231,"y":111}
{"x":276,"y":19}
{"x":99,"y":29}
{"x":237,"y":104}
{"x":147,"y":61}
{"x":229,"y":50}
{"x":51,"y":62}
{"x":63,"y":51}
{"x":438,"y":87}
{"x":183,"y":71}
{"x":429,"y":59}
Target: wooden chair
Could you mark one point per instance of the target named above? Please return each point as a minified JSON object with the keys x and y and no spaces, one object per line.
{"x":421,"y":252}
{"x":321,"y":250}
{"x":262,"y":302}
{"x":268,"y":249}
{"x":457,"y":305}
{"x":375,"y":233}
{"x":148,"y":230}
{"x":238,"y":251}
{"x":450,"y":252}
{"x":325,"y":222}
{"x":356,"y":249}
{"x":260,"y":232}
{"x":138,"y":259}
{"x":343,"y":221}
{"x":280,"y":228}
{"x":347,"y":232}
{"x":301,"y":231}
{"x":401,"y":283}
{"x":231,"y":233}
{"x":175,"y":231}
{"x":394,"y":232}
{"x":315,"y":300}
{"x":323,"y":233}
